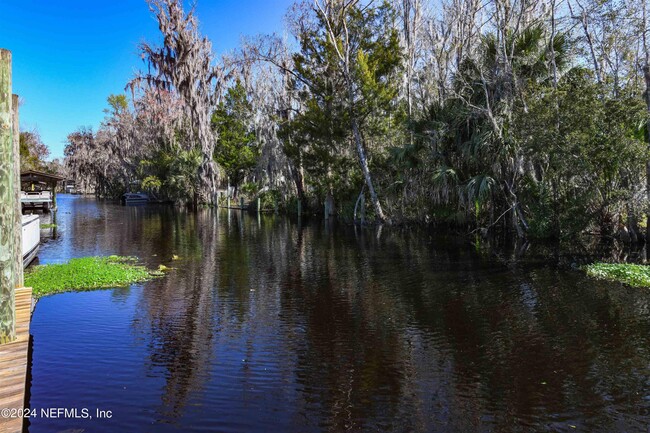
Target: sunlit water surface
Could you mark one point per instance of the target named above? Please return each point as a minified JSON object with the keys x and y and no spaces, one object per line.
{"x":267,"y":325}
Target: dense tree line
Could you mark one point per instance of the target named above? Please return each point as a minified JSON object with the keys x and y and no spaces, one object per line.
{"x":520,"y":115}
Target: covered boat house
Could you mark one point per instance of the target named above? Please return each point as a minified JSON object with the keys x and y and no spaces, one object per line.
{"x":38,"y":189}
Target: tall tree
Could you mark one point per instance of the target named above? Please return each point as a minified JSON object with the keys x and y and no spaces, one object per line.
{"x":237,"y":153}
{"x":367,"y":52}
{"x":185,"y":63}
{"x":645,"y":56}
{"x":33,"y":152}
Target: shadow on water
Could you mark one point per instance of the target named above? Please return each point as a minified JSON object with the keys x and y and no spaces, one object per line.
{"x":265,"y":324}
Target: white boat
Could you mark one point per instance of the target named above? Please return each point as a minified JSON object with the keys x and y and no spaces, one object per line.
{"x":135,"y":198}
{"x":36,"y":199}
{"x":31,"y":238}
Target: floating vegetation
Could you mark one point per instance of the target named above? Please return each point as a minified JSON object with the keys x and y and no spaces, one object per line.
{"x":87,"y":273}
{"x":633,"y":275}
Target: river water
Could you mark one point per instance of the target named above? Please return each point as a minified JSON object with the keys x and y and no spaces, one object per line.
{"x":270,"y":325}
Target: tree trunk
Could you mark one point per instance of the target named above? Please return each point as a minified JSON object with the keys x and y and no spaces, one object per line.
{"x":646,"y":76}
{"x":329,"y":205}
{"x":207,"y":181}
{"x":518,"y":221}
{"x":363,"y":159}
{"x":299,"y":179}
{"x":18,"y":233}
{"x":8,"y":248}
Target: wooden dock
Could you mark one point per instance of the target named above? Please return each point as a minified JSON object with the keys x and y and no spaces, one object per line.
{"x":13,"y":364}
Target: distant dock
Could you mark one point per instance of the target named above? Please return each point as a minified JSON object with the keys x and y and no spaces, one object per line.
{"x":39,"y":190}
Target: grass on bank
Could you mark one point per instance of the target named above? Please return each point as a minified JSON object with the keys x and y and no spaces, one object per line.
{"x":87,"y":273}
{"x":48,"y":226}
{"x":633,"y":275}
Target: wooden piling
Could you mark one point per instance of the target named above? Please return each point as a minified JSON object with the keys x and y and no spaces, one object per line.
{"x":18,"y":234}
{"x":8,"y":248}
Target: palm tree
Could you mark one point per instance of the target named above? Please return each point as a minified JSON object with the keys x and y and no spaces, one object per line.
{"x":478,"y":157}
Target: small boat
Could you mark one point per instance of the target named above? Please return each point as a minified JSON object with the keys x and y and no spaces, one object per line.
{"x":135,"y":198}
{"x":31,"y":238}
{"x":35,"y":199}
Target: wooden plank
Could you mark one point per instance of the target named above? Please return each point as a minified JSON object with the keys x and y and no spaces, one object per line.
{"x":13,"y":364}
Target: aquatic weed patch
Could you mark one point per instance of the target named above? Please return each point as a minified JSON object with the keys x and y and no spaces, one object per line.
{"x":633,"y":275}
{"x":87,"y":273}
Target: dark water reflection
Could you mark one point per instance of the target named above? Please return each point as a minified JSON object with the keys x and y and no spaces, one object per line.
{"x":267,"y":325}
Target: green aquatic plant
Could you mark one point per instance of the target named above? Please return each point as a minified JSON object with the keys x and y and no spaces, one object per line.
{"x":48,"y":226}
{"x":633,"y":275}
{"x":87,"y":273}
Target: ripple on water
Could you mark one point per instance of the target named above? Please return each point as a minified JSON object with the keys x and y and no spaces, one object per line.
{"x":267,"y":325}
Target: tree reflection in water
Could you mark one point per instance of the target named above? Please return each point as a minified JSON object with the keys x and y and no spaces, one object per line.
{"x":267,"y":324}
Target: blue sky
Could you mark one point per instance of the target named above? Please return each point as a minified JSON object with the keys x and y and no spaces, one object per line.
{"x":69,"y":55}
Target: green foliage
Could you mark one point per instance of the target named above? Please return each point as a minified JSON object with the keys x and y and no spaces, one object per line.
{"x":271,"y":199}
{"x":33,"y":152}
{"x":237,"y":151}
{"x":250,"y":188}
{"x":171,"y":173}
{"x":633,"y":275}
{"x":151,"y":183}
{"x":86,"y":274}
{"x":586,"y":150}
{"x":118,"y":104}
{"x":487,"y":132}
{"x":319,"y":137}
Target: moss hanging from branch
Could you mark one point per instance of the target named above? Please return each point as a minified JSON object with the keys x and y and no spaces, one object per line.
{"x":185,"y":63}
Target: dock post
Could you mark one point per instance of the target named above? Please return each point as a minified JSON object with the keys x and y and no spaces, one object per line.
{"x":18,"y":234}
{"x":8,"y":249}
{"x":54,"y":184}
{"x":241,"y":203}
{"x":259,"y":205}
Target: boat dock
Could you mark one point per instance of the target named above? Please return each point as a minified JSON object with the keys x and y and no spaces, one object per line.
{"x":38,"y":190}
{"x":13,"y":365}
